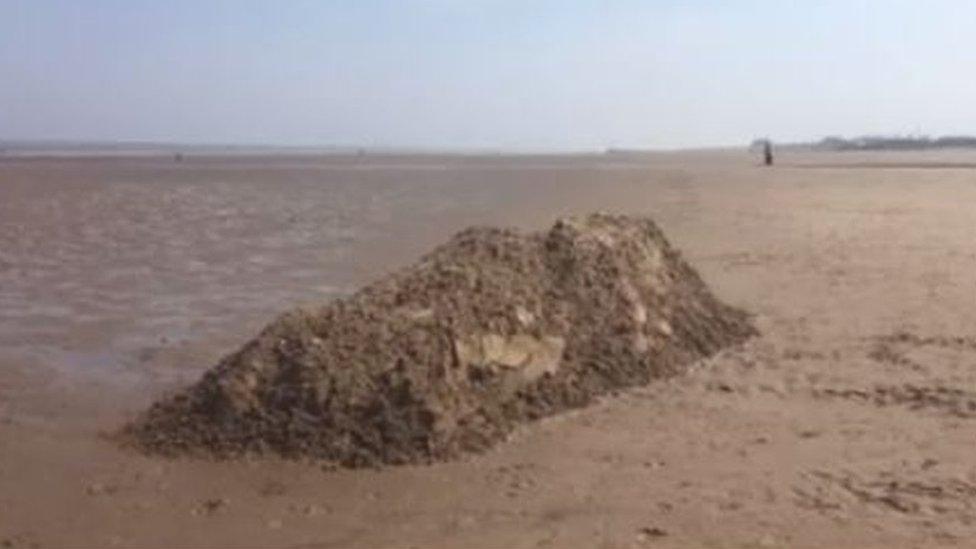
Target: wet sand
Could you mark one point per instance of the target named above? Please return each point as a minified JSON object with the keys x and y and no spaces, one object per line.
{"x":849,"y":423}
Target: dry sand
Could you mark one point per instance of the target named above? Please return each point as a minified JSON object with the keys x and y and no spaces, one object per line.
{"x":848,"y":423}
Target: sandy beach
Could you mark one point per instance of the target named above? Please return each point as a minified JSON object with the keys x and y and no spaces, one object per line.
{"x":848,"y":423}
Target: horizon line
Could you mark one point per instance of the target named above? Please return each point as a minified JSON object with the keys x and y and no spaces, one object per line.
{"x":98,"y":147}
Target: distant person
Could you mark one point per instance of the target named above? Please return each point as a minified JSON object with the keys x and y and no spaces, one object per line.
{"x":768,"y":152}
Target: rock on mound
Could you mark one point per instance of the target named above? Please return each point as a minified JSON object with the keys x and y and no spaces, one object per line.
{"x":448,"y":355}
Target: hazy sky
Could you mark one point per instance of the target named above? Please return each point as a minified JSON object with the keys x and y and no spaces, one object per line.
{"x":514,"y":74}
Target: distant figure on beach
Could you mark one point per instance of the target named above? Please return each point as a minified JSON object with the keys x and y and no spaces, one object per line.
{"x":768,"y":152}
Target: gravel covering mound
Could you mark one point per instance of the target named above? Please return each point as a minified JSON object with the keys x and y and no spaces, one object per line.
{"x":448,"y":355}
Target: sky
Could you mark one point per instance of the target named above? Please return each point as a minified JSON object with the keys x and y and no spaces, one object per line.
{"x":485,"y":74}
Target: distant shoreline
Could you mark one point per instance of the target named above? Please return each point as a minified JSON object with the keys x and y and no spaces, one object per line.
{"x":881,"y":143}
{"x":55,"y":149}
{"x":66,"y":150}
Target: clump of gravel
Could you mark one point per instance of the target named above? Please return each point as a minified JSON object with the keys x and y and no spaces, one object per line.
{"x":493,"y":328}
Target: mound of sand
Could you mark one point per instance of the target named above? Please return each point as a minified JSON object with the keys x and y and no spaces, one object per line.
{"x":493,"y":328}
